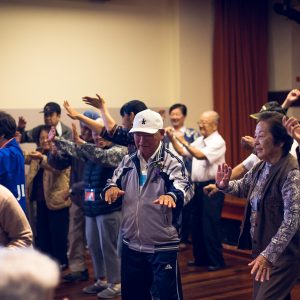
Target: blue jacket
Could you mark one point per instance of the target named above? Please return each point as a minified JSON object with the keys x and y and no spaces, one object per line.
{"x":12,"y":174}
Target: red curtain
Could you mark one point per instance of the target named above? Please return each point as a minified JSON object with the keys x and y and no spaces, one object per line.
{"x":240,"y":69}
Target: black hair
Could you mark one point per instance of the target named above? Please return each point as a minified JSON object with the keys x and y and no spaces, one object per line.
{"x":181,"y":106}
{"x":133,"y":106}
{"x":8,"y":125}
{"x":278,"y":131}
{"x":42,"y":128}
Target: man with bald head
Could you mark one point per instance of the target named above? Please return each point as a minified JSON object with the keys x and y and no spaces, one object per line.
{"x":207,"y":152}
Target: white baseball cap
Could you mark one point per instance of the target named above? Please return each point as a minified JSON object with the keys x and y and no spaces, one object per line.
{"x":147,"y":121}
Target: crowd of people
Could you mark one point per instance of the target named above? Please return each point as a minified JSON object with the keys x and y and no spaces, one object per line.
{"x":135,"y":194}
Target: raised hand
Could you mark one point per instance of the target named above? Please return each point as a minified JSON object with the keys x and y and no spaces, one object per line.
{"x":293,"y":96}
{"x":260,"y":268}
{"x":247,"y":142}
{"x":112,"y":194}
{"x":76,"y":137}
{"x":223,"y":176}
{"x":52,"y":134}
{"x":95,"y":102}
{"x":71,"y":112}
{"x":21,"y":123}
{"x":165,"y":200}
{"x":293,"y":127}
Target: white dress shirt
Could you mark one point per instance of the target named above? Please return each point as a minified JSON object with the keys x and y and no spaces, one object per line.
{"x":214,"y":148}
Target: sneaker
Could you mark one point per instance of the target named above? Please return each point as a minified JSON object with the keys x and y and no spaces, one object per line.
{"x":112,"y":291}
{"x":97,"y":287}
{"x":76,"y":276}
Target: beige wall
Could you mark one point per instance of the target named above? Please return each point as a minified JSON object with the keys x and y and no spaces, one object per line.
{"x":158,"y":51}
{"x":284,"y":61}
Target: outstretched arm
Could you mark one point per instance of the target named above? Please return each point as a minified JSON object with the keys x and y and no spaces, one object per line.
{"x":100,"y":103}
{"x":75,"y":115}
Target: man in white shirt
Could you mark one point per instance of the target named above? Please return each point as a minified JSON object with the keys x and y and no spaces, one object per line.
{"x":207,"y":152}
{"x":177,"y":115}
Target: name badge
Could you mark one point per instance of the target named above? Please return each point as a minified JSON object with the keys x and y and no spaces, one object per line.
{"x":143,"y":178}
{"x":89,"y":195}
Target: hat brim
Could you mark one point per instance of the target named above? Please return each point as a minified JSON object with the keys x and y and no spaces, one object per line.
{"x":144,"y":130}
{"x":255,"y":116}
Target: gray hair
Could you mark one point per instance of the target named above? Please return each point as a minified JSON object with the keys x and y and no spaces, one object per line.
{"x":27,"y":274}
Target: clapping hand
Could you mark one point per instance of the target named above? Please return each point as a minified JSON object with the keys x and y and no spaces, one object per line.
{"x":223,"y":176}
{"x":95,"y":102}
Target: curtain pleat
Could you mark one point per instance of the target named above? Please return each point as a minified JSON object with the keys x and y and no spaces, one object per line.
{"x":240,"y":69}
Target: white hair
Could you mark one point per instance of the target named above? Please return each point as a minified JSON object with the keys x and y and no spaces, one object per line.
{"x":27,"y":274}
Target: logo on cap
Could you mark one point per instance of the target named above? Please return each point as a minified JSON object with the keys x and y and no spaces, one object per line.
{"x":147,"y":121}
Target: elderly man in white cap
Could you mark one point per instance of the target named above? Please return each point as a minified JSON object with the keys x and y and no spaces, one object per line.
{"x":154,"y":185}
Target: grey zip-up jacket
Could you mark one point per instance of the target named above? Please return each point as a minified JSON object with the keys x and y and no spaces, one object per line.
{"x":149,"y":227}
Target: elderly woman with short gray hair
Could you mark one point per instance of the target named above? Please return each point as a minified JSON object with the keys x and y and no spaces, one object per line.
{"x":271,"y":221}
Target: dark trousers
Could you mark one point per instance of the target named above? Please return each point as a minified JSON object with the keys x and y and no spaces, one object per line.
{"x":52,"y":232}
{"x":139,"y":271}
{"x":186,"y":225}
{"x":283,"y":277}
{"x":206,"y":227}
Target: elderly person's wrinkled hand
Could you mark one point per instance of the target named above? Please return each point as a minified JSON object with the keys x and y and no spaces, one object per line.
{"x":166,"y":200}
{"x":112,"y":194}
{"x":261,"y":268}
{"x":293,"y":127}
{"x":223,"y":176}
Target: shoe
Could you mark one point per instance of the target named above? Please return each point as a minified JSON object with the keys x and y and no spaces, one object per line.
{"x":76,"y":276}
{"x":97,"y":287}
{"x":215,"y":268}
{"x":112,"y":291}
{"x":194,"y":263}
